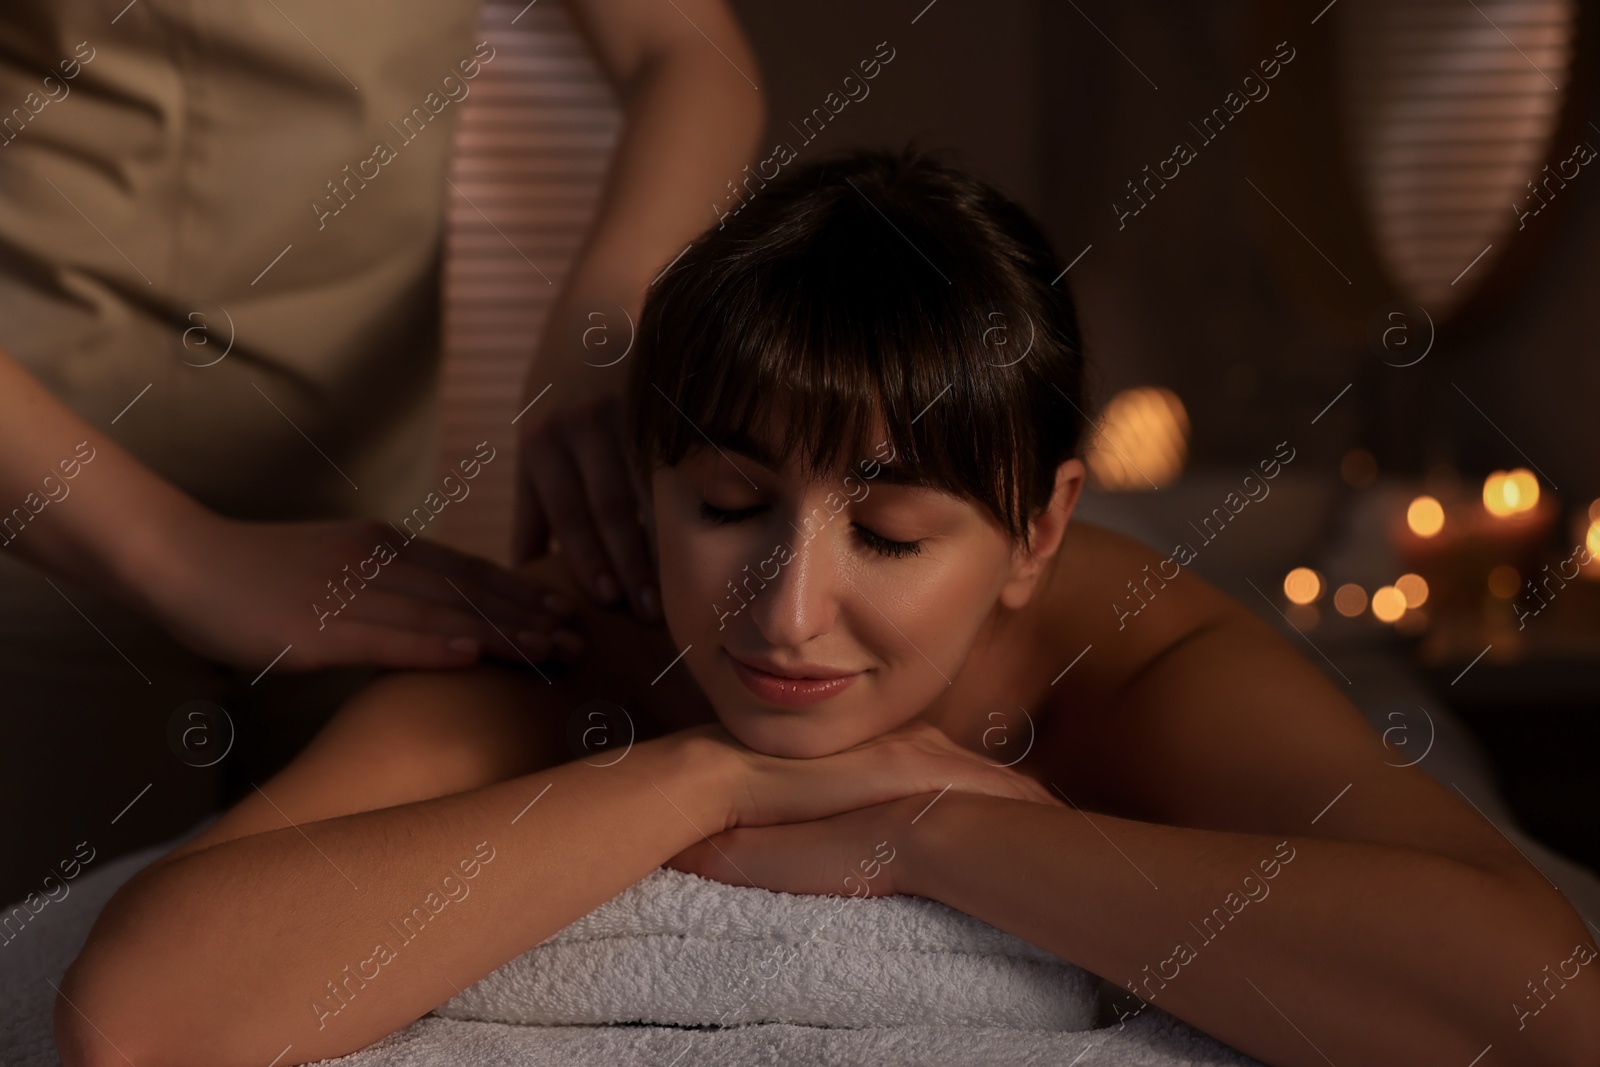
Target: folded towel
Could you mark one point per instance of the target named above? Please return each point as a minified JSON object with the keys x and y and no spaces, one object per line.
{"x":32,"y":965}
{"x":683,"y":950}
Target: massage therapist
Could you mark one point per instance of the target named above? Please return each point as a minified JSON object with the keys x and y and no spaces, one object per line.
{"x":220,"y":337}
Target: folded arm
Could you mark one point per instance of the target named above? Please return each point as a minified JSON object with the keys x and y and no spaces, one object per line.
{"x":415,"y":846}
{"x":1259,"y":868}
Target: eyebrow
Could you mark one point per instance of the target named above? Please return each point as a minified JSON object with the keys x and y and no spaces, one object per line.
{"x":888,"y":473}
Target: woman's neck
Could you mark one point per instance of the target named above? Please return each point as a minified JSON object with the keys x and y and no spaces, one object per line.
{"x":992,"y":686}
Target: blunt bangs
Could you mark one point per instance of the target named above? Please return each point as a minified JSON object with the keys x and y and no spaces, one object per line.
{"x":881,"y":301}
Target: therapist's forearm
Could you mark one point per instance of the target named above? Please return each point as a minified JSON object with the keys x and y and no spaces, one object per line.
{"x":1354,"y":952}
{"x":690,"y":128}
{"x":73,"y":501}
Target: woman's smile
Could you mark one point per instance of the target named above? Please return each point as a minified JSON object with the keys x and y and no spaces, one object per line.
{"x":791,"y":691}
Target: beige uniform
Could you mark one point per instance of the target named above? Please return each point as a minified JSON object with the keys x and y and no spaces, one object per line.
{"x":220,"y":235}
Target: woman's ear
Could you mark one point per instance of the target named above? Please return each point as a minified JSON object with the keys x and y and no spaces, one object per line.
{"x":1046,"y":530}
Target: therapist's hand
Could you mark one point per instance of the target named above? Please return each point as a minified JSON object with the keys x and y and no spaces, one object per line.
{"x":689,"y":126}
{"x":243,"y":592}
{"x":573,"y":482}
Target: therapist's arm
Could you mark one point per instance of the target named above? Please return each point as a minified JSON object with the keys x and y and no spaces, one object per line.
{"x":688,"y":83}
{"x":78,"y":506}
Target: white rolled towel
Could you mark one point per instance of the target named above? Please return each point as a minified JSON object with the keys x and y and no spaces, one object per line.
{"x":678,"y":949}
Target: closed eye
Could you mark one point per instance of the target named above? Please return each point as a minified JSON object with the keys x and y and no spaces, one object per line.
{"x":878,"y":543}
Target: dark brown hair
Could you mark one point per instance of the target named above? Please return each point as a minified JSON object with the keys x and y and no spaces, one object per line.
{"x":867,"y":286}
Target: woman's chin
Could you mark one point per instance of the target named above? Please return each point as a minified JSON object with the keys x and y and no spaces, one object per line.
{"x":794,"y":738}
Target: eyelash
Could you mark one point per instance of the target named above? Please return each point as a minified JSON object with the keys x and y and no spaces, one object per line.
{"x":882,"y":545}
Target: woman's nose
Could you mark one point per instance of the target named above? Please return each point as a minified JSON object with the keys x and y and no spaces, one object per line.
{"x":802,"y":600}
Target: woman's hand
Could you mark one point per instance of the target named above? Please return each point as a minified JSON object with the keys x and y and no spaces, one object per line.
{"x":343,"y":592}
{"x":915,"y":758}
{"x":851,"y":854}
{"x":830,"y":825}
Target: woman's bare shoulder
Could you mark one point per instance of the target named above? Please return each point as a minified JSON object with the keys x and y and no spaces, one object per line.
{"x":1121,"y":604}
{"x":414,"y":735}
{"x":405,"y":736}
{"x":1109,"y":609}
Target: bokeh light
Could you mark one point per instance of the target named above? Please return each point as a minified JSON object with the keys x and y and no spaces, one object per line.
{"x":1414,"y":588}
{"x":1388,"y":603}
{"x":1140,"y":442}
{"x":1504,"y":581}
{"x":1302,"y":586}
{"x":1425,"y":516}
{"x":1526,"y":487}
{"x":1510,"y":492}
{"x":1358,"y":468}
{"x":1350,"y":600}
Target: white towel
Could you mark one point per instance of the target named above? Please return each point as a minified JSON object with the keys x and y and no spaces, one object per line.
{"x":32,"y":962}
{"x":682,"y":950}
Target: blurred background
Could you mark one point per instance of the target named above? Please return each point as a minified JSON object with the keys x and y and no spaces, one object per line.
{"x":1359,"y":233}
{"x":1379,"y":248}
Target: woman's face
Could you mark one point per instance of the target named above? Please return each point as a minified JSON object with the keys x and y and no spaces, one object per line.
{"x":885,"y":584}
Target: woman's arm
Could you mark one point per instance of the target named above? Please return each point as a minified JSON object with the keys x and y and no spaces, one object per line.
{"x":1346,"y":952}
{"x":359,"y":888}
{"x":261,"y":938}
{"x":1301,"y":896}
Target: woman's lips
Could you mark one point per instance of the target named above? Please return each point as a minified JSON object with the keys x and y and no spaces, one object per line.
{"x":790,"y":692}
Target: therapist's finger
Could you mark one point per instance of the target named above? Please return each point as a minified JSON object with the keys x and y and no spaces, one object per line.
{"x":374,"y":644}
{"x":426,"y":616}
{"x":530,"y":527}
{"x":475,"y":572}
{"x":616,"y":509}
{"x":561,"y":489}
{"x":521,"y":631}
{"x":506,"y":616}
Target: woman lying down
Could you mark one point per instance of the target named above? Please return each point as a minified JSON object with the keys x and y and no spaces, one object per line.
{"x":875,"y":604}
